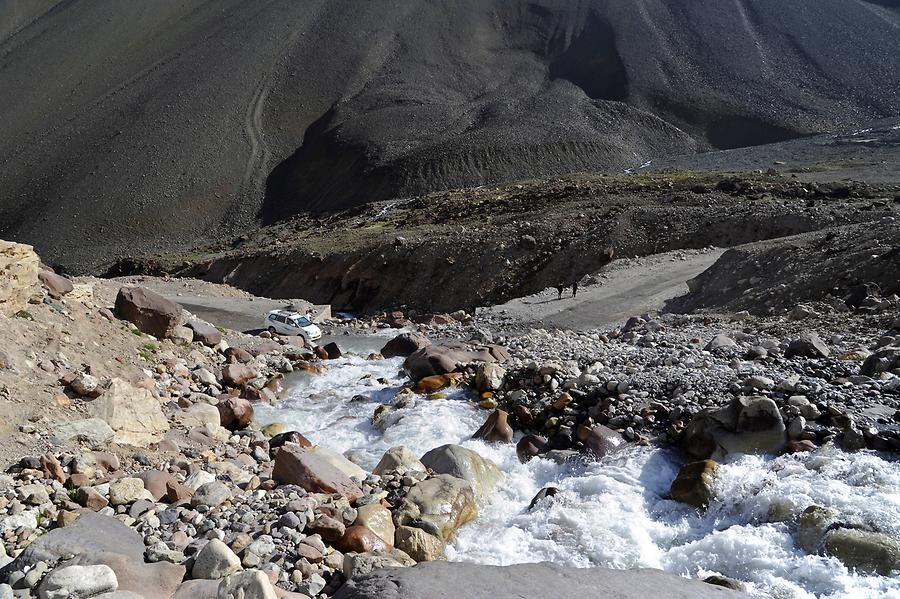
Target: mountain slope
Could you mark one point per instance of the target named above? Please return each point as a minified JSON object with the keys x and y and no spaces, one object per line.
{"x":141,"y":126}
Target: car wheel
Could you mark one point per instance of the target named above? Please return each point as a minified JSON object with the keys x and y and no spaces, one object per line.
{"x":272,"y":330}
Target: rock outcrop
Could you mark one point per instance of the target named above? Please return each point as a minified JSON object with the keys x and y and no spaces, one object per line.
{"x":19,"y":268}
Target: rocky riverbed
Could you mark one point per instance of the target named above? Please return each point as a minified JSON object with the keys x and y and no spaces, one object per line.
{"x":160,"y":456}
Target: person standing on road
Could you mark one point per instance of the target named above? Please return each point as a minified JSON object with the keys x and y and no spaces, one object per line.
{"x":559,"y":289}
{"x":574,"y":288}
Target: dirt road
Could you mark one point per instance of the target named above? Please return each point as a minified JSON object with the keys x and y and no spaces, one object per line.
{"x":625,"y":288}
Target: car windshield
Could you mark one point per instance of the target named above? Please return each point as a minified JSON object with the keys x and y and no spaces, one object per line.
{"x":302,"y":321}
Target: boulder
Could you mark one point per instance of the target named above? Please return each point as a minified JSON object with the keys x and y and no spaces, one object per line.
{"x":418,"y":544}
{"x":294,"y":437}
{"x":404,"y":345}
{"x":694,"y":483}
{"x":250,"y":584}
{"x":720,"y":342}
{"x":295,"y":465}
{"x":132,"y":412}
{"x":198,"y":415}
{"x":883,"y":360}
{"x":235,"y":413}
{"x":436,"y":382}
{"x":449,"y":357}
{"x":864,"y":550}
{"x":530,"y":446}
{"x":150,"y":312}
{"x":237,"y":355}
{"x":359,"y":539}
{"x":600,"y":440}
{"x":489,"y":377}
{"x":211,"y":494}
{"x":750,"y":425}
{"x":77,"y":582}
{"x":93,"y":539}
{"x":466,"y":464}
{"x":205,"y":333}
{"x":19,"y":267}
{"x":124,"y":491}
{"x":398,"y":458}
{"x":814,"y":522}
{"x":495,"y":428}
{"x":238,"y":374}
{"x":442,"y":502}
{"x":440,"y":579}
{"x":216,"y":560}
{"x":56,"y":285}
{"x":360,"y":564}
{"x":339,"y":461}
{"x":332,"y":351}
{"x":376,"y":518}
{"x":93,"y":432}
{"x":807,"y":345}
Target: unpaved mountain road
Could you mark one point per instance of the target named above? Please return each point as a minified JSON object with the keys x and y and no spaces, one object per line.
{"x":625,"y":288}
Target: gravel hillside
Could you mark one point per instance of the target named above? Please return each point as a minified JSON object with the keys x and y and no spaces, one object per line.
{"x":141,"y":126}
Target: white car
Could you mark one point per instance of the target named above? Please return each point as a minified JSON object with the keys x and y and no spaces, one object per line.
{"x":282,"y":322}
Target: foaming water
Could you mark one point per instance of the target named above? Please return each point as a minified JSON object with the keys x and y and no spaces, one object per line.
{"x":614,"y":512}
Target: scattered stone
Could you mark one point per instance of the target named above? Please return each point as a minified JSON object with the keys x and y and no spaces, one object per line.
{"x":216,"y":560}
{"x":235,"y":413}
{"x":807,"y":345}
{"x":495,"y":428}
{"x":694,"y":483}
{"x":205,"y":333}
{"x":132,"y":412}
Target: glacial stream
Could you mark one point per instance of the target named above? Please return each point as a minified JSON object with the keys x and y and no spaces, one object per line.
{"x":614,"y":512}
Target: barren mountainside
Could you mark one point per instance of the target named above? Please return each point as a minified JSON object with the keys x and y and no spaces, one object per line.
{"x":141,"y":126}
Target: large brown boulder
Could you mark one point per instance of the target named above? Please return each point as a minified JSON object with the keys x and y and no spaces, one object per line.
{"x":450,"y":357}
{"x":19,"y":267}
{"x":360,"y":539}
{"x":295,"y":465}
{"x":749,"y":425}
{"x":529,"y":447}
{"x":148,"y":311}
{"x":405,"y":345}
{"x":235,"y":413}
{"x":237,"y":375}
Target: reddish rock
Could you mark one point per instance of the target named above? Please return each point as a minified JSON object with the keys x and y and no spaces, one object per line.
{"x":52,"y":469}
{"x":56,"y":285}
{"x":530,"y":446}
{"x":91,"y":499}
{"x":276,"y":385}
{"x":237,"y":375}
{"x":523,"y":416}
{"x":236,"y":355}
{"x":107,"y":461}
{"x":449,"y":357}
{"x":235,"y":413}
{"x":177,"y":492}
{"x":289,"y":437}
{"x":360,"y":539}
{"x":436,"y":382}
{"x":495,"y":428}
{"x":311,"y":554}
{"x":155,"y":481}
{"x":320,"y":352}
{"x":801,"y":446}
{"x":405,"y":345}
{"x":148,"y":311}
{"x":77,"y":480}
{"x":560,"y":403}
{"x":295,"y":465}
{"x":266,"y":347}
{"x":600,"y":440}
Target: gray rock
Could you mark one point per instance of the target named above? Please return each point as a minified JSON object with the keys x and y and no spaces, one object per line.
{"x":443,"y":503}
{"x":746,"y":425}
{"x":216,"y":560}
{"x":466,"y":464}
{"x":720,"y":341}
{"x":94,"y":432}
{"x":78,"y":582}
{"x":864,"y":550}
{"x":93,"y":539}
{"x":125,"y":490}
{"x":360,"y":564}
{"x":212,"y":494}
{"x":398,"y":458}
{"x":807,"y":345}
{"x":313,"y":584}
{"x":250,"y":584}
{"x":525,"y":581}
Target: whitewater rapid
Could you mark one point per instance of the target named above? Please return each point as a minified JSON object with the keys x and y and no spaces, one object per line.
{"x":614,"y":512}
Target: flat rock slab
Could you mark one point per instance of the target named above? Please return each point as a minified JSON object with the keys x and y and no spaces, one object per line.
{"x":95,"y":539}
{"x":446,"y":580}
